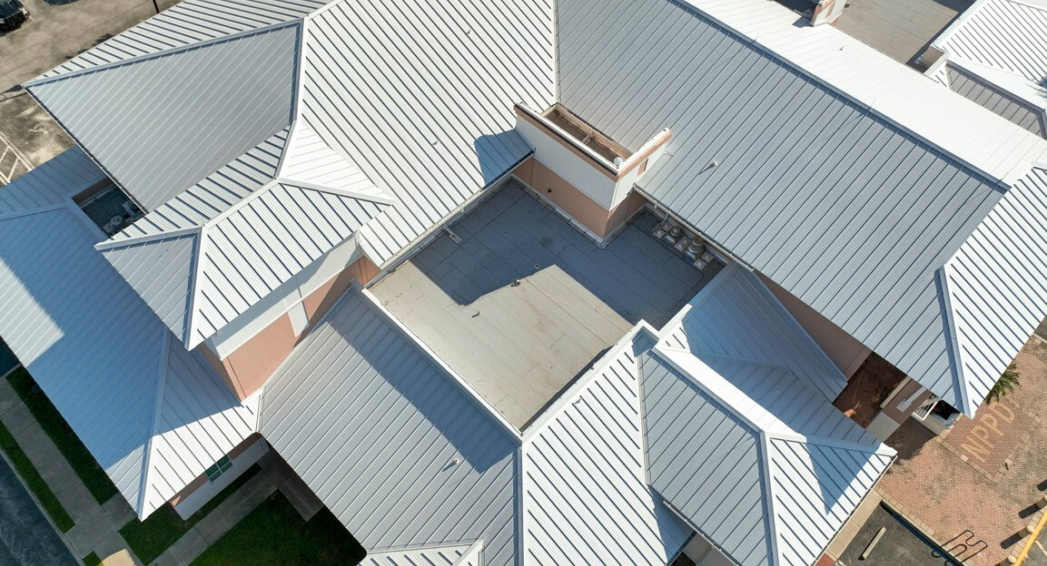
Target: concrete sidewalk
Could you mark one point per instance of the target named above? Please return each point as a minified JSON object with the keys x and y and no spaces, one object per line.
{"x":96,"y":526}
{"x":275,"y":475}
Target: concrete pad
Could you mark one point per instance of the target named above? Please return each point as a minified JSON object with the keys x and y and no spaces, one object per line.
{"x":114,"y":551}
{"x":236,"y":507}
{"x":8,"y":398}
{"x":257,"y":489}
{"x":33,"y":438}
{"x":190,"y":546}
{"x":119,"y":511}
{"x":121,"y":558}
{"x":277,"y":469}
{"x":214,"y":526}
{"x":302,"y":498}
{"x":853,"y":525}
{"x":45,"y":455}
{"x":17,"y":418}
{"x":71,"y":492}
{"x":168,"y":558}
{"x":90,"y":532}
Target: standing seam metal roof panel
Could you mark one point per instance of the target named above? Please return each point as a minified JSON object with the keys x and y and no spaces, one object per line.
{"x":187,"y":23}
{"x":161,"y":123}
{"x":57,"y":292}
{"x":198,"y":282}
{"x":859,"y":243}
{"x":1004,"y":34}
{"x":420,"y":97}
{"x":712,"y":325}
{"x":998,"y":100}
{"x":997,"y":283}
{"x":584,"y":471}
{"x":767,"y":469}
{"x":217,"y":193}
{"x":714,"y":478}
{"x":375,"y":428}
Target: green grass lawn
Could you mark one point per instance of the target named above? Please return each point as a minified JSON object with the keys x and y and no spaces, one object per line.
{"x":92,"y":560}
{"x":93,"y":476}
{"x":150,"y":538}
{"x":274,"y":534}
{"x":32,"y":478}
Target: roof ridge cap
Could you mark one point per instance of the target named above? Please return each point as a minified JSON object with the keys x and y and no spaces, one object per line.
{"x":670,"y":358}
{"x":112,"y":244}
{"x":879,"y":448}
{"x":161,"y":385}
{"x":155,"y":55}
{"x":318,"y":188}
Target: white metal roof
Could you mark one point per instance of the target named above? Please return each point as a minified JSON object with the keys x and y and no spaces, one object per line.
{"x":1007,"y":35}
{"x":420,"y":94}
{"x":995,"y":54}
{"x":388,"y":440}
{"x":186,"y":23}
{"x":996,"y":285}
{"x":852,"y":204}
{"x":411,"y":459}
{"x":152,"y":414}
{"x":338,"y":99}
{"x":160,"y":123}
{"x":456,"y":555}
{"x":201,"y":279}
{"x":903,"y":96}
{"x":586,"y":495}
{"x":752,"y":456}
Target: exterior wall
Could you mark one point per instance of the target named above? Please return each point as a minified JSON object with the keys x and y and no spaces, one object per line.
{"x":247,"y":368}
{"x":827,"y":12}
{"x":906,"y":399}
{"x":843,"y":349}
{"x":590,"y":214}
{"x":273,"y":307}
{"x":201,"y":490}
{"x":607,"y":186}
{"x":901,"y":404}
{"x":597,"y":183}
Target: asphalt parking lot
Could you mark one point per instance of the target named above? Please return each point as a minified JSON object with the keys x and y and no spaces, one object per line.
{"x":57,"y":31}
{"x":26,"y":537}
{"x":900,"y":545}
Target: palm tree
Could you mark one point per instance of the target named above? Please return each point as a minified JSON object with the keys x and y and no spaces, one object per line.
{"x":1007,"y":383}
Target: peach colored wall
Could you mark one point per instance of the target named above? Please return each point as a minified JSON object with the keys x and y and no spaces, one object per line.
{"x":843,"y":349}
{"x":574,"y":202}
{"x":248,"y":368}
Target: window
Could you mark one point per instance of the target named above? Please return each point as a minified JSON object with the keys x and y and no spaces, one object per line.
{"x":219,"y":468}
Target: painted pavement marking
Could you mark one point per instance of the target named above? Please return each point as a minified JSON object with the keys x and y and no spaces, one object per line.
{"x":13,"y":163}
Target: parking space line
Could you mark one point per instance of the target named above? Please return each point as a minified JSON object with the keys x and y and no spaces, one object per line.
{"x":13,"y":162}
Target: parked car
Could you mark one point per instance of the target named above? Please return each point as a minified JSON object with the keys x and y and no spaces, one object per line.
{"x":12,"y":14}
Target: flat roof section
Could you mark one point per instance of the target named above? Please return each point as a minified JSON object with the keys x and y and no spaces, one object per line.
{"x":525,"y":302}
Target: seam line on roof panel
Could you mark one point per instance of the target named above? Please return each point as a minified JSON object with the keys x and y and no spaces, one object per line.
{"x":181,"y":48}
{"x":755,"y":44}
